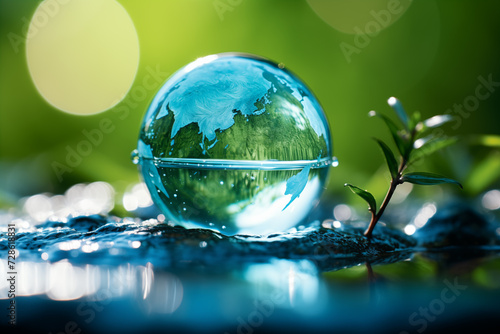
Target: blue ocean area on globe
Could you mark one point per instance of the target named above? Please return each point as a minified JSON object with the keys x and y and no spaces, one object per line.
{"x":235,"y":143}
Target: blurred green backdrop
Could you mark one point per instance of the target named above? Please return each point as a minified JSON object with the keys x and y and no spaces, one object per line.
{"x":430,"y":55}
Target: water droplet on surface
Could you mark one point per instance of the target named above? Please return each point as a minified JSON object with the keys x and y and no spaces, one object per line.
{"x":327,"y":223}
{"x":203,"y":244}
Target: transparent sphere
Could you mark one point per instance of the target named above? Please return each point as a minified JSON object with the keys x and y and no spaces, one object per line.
{"x":235,"y":143}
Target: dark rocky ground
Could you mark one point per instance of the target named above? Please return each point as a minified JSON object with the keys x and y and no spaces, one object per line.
{"x":198,"y":280}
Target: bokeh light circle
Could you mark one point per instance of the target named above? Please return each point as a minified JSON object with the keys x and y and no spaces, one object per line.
{"x":82,"y":55}
{"x":353,"y":17}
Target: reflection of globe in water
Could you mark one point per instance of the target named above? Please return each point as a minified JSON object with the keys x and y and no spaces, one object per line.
{"x":234,"y":143}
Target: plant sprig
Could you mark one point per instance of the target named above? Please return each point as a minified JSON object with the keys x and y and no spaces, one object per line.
{"x":413,"y":142}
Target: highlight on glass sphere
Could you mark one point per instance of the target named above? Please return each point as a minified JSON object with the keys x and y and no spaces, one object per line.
{"x":235,"y":143}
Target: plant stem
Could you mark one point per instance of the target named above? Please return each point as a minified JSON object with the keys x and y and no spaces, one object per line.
{"x":394,"y":183}
{"x":376,"y":217}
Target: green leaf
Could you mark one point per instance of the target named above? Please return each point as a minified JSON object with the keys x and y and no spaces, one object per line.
{"x":389,"y":157}
{"x":427,"y":179}
{"x":401,"y":144}
{"x":364,"y":195}
{"x":400,"y":111}
{"x":428,"y":145}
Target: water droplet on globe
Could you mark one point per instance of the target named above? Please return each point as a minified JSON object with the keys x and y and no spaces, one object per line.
{"x":335,"y":162}
{"x":214,"y":118}
{"x":135,"y":157}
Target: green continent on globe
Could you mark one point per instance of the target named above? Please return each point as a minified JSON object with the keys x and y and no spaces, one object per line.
{"x":278,"y":129}
{"x":233,"y":108}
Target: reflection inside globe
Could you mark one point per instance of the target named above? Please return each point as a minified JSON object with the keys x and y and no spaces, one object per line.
{"x":235,"y":143}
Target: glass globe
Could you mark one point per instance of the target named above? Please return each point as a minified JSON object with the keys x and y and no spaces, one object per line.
{"x":235,"y":143}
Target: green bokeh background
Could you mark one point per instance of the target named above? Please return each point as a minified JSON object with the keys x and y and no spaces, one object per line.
{"x":430,"y":58}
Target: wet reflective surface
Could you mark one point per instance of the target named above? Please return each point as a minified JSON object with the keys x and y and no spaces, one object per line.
{"x":277,"y":295}
{"x":98,"y":273}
